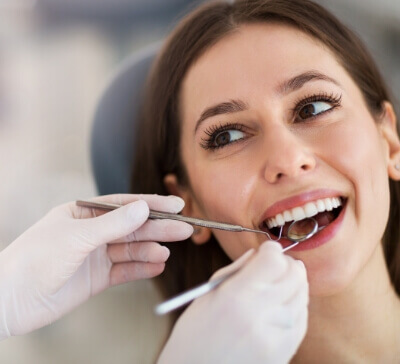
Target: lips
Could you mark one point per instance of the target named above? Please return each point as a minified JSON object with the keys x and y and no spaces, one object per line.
{"x":327,"y":207}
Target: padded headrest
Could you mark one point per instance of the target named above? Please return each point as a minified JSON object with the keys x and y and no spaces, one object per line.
{"x":115,"y":119}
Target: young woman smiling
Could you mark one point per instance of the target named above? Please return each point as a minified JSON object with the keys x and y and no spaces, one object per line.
{"x":260,"y":112}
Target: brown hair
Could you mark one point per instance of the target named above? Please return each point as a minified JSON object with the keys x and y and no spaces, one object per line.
{"x":158,"y":152}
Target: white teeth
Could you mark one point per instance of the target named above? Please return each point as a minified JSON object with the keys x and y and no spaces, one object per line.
{"x":328,"y":204}
{"x":310,"y":209}
{"x":298,"y":213}
{"x":301,"y":212}
{"x":287,"y":215}
{"x":320,"y":206}
{"x":280,"y":220}
{"x":335,"y":202}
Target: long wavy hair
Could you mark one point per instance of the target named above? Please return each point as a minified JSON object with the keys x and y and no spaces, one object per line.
{"x":158,"y":141}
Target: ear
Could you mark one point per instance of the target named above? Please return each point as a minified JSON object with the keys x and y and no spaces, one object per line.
{"x":201,"y":234}
{"x":389,"y":131}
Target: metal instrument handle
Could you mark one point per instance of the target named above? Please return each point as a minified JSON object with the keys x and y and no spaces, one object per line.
{"x":166,"y":215}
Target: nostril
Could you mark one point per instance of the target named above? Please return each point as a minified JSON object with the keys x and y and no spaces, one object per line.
{"x":305,"y":167}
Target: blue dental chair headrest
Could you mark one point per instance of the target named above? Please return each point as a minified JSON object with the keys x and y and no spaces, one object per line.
{"x":113,"y":130}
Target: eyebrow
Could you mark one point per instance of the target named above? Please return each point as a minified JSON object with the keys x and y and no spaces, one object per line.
{"x":228,"y":107}
{"x":298,"y":81}
{"x":286,"y":87}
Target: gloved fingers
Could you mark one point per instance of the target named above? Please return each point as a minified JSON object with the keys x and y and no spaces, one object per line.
{"x":285,"y":289}
{"x":267,"y":266}
{"x":300,"y":328}
{"x":290,"y":314}
{"x":159,"y":230}
{"x":112,"y":226}
{"x":242,"y":260}
{"x":170,"y":203}
{"x":127,"y":272}
{"x":291,"y":332}
{"x":284,"y":333}
{"x":148,"y":252}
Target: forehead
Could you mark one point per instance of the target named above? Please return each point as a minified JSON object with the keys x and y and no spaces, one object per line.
{"x":252,"y":61}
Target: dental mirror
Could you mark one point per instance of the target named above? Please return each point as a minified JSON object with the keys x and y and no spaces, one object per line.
{"x":301,"y":230}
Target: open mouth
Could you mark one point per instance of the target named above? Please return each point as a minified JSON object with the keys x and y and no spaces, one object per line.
{"x":324,"y":211}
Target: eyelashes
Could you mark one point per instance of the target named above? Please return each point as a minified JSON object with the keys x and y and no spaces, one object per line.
{"x":332,"y":99}
{"x":305,"y":109}
{"x":221,"y":134}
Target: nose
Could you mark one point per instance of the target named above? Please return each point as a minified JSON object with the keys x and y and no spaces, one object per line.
{"x":286,"y":155}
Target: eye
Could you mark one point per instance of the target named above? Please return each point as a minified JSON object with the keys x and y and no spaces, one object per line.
{"x":314,"y":105}
{"x":219,"y":136}
{"x":313,"y":109}
{"x":227,"y":136}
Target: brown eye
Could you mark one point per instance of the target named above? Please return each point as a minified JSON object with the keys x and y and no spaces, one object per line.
{"x":223,"y":135}
{"x":228,"y":136}
{"x":307,"y":111}
{"x":222,"y":138}
{"x":313,"y":108}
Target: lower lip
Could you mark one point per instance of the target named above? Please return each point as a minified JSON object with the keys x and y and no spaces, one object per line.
{"x":320,"y":238}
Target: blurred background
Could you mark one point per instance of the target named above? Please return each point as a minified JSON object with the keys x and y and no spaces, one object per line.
{"x":56,"y":56}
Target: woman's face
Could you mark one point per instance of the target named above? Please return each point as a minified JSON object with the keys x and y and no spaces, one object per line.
{"x":272,"y":122}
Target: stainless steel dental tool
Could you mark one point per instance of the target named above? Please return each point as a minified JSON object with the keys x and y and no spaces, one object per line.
{"x":166,"y":215}
{"x":297,"y":232}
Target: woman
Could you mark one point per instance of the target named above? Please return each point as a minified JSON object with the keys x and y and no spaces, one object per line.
{"x":269,"y":111}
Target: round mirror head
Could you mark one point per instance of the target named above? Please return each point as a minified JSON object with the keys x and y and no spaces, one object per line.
{"x":302,"y":229}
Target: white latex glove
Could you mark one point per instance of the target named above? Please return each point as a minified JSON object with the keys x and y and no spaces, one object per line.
{"x":259,"y":315}
{"x":64,"y":258}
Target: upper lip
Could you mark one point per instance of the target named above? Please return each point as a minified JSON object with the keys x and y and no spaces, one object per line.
{"x":297,"y":200}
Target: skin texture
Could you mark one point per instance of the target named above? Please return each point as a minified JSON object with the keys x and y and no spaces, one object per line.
{"x":277,"y":156}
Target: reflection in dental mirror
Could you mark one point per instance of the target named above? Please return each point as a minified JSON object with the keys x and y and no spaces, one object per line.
{"x":302,"y":229}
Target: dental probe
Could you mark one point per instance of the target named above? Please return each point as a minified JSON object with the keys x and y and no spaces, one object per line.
{"x":166,"y":215}
{"x":188,"y":296}
{"x":196,"y":292}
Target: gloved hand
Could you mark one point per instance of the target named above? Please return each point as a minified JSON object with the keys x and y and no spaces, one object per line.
{"x":64,"y":258}
{"x":259,"y":315}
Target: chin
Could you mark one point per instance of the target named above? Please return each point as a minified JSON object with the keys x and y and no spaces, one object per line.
{"x":330,"y":280}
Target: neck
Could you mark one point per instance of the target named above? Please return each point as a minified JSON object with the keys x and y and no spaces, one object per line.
{"x":361,"y":324}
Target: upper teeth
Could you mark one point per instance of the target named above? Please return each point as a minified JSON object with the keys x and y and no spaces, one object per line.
{"x":301,"y":212}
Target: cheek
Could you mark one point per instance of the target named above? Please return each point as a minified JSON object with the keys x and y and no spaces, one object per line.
{"x":354,"y":151}
{"x":222,"y":188}
{"x":235,"y":244}
{"x":223,"y":194}
{"x":357,"y":152}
